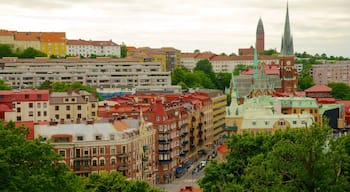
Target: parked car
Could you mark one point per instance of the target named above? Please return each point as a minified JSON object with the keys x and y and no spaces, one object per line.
{"x":187,"y":163}
{"x":203,"y":163}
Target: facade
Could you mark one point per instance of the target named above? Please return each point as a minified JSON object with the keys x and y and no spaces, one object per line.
{"x":126,"y":146}
{"x":101,"y":73}
{"x":324,"y":73}
{"x":189,"y":60}
{"x":25,"y":105}
{"x":87,"y":48}
{"x":51,"y":43}
{"x":267,"y":114}
{"x":168,"y":57}
{"x":73,"y":106}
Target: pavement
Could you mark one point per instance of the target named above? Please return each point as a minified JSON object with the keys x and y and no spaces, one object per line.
{"x":188,"y":179}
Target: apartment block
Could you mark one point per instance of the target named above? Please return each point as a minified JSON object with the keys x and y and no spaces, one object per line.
{"x":100,"y":73}
{"x":324,"y":73}
{"x":126,"y":146}
{"x":25,"y":105}
{"x":87,"y":48}
{"x":73,"y":106}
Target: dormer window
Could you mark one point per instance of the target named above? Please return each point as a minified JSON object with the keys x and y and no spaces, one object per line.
{"x":98,"y":137}
{"x":80,"y":138}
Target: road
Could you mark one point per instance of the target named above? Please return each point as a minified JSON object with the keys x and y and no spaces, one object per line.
{"x":188,"y":179}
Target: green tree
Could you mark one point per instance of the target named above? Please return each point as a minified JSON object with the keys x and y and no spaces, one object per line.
{"x":123,"y":50}
{"x":268,"y":52}
{"x":196,"y":51}
{"x":4,"y":86}
{"x":27,"y":165}
{"x":31,"y":53}
{"x":222,"y":80}
{"x":5,"y":51}
{"x":305,"y":82}
{"x":340,"y":90}
{"x":205,"y":66}
{"x":45,"y":85}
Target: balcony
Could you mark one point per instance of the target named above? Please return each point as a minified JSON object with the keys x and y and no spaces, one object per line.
{"x":192,"y":147}
{"x":84,"y":157}
{"x":123,"y":154}
{"x":184,"y":143}
{"x":145,"y":147}
{"x":165,"y":160}
{"x":160,"y":140}
{"x":184,"y":134}
{"x":182,"y":154}
{"x":123,"y":167}
{"x":164,"y":150}
{"x":167,"y":131}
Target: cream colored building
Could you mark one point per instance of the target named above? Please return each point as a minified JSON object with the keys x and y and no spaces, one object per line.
{"x":100,"y":73}
{"x":7,"y":37}
{"x":73,"y":106}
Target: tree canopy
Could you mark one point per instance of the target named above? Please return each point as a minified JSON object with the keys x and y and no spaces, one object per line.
{"x":123,"y":50}
{"x":4,"y":86}
{"x":290,"y":160}
{"x":240,"y":67}
{"x":340,"y":90}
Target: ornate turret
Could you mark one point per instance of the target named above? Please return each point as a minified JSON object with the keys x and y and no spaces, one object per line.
{"x":260,"y":37}
{"x":287,"y":48}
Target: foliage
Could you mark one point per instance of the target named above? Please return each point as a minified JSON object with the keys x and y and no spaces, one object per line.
{"x":205,"y":66}
{"x":323,"y":56}
{"x":305,"y":82}
{"x":268,"y":52}
{"x":196,"y":51}
{"x":123,"y":50}
{"x":240,"y":67}
{"x":114,"y":181}
{"x":31,"y":53}
{"x":340,"y":90}
{"x":63,"y":87}
{"x":4,"y":86}
{"x":5,"y":51}
{"x":27,"y":165}
{"x":290,"y":160}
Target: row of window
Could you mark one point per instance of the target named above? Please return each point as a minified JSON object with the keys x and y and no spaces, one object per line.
{"x":86,"y":151}
{"x":79,"y":115}
{"x":68,"y":107}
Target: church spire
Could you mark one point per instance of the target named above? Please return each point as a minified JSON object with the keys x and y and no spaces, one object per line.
{"x":260,"y":37}
{"x":287,"y":48}
{"x":255,"y":67}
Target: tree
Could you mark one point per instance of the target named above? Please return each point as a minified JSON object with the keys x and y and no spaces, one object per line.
{"x":205,"y":66}
{"x":340,"y":90}
{"x":268,"y":52}
{"x":123,"y":50}
{"x":305,"y":82}
{"x":4,"y":86}
{"x":27,"y":165}
{"x":222,"y":80}
{"x":45,"y":85}
{"x":5,"y":51}
{"x":240,"y":67}
{"x":290,"y":160}
{"x":196,"y":51}
{"x":31,"y":53}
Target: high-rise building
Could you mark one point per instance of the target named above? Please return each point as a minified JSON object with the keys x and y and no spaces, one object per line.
{"x":260,"y":37}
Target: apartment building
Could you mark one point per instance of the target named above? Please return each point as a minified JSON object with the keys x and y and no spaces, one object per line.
{"x":324,"y":73}
{"x":51,"y":43}
{"x":86,"y":48}
{"x":99,"y":73}
{"x":25,"y":106}
{"x":73,"y":106}
{"x":168,"y":57}
{"x":125,"y":145}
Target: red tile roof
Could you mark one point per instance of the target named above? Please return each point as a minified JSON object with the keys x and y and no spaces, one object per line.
{"x":205,"y":56}
{"x":27,"y":36}
{"x":319,"y":88}
{"x":5,"y":108}
{"x":189,"y":55}
{"x":6,"y":32}
{"x":269,"y":70}
{"x":24,"y":95}
{"x":55,"y":37}
{"x":222,"y":58}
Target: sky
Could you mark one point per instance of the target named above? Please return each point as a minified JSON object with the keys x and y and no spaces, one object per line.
{"x":317,"y":26}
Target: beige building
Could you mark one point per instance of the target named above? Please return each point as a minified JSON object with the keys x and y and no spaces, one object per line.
{"x":126,"y":146}
{"x":125,"y":74}
{"x":325,"y":73}
{"x":73,"y":106}
{"x":7,"y":37}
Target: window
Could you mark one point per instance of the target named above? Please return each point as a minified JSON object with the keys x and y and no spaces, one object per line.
{"x":79,"y":107}
{"x":62,"y":152}
{"x":86,"y":152}
{"x":38,"y":105}
{"x":98,"y":137}
{"x":44,"y":105}
{"x":111,"y":137}
{"x":68,"y":116}
{"x":56,"y":116}
{"x":112,"y":150}
{"x":67,"y":107}
{"x":39,"y":96}
{"x":102,"y":150}
{"x":45,"y":113}
{"x":94,"y":162}
{"x":112,"y":161}
{"x":18,"y":110}
{"x":102,"y":162}
{"x":93,"y":113}
{"x":253,"y":122}
{"x":93,"y":105}
{"x":294,"y":122}
{"x":39,"y":113}
{"x":57,"y":108}
{"x":30,"y":105}
{"x":30,"y":114}
{"x":94,"y":151}
{"x":13,"y":105}
{"x":79,"y":115}
{"x":18,"y":118}
{"x":80,"y":138}
{"x":86,"y":163}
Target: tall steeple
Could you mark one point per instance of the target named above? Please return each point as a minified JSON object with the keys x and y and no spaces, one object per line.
{"x":255,"y":66}
{"x":287,"y":48}
{"x":260,"y":37}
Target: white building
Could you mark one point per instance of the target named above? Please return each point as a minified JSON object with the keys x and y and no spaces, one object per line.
{"x":88,"y":48}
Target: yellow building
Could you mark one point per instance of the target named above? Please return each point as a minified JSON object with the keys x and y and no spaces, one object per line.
{"x":7,"y":37}
{"x":53,"y":43}
{"x":73,"y":106}
{"x":24,"y":40}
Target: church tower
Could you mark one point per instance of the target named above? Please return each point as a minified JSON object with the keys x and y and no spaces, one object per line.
{"x":260,"y":37}
{"x":288,"y":71}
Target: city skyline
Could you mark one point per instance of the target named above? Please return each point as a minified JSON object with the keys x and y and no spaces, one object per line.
{"x":221,"y":26}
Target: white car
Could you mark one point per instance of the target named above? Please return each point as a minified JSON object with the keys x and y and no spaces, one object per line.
{"x":203,"y":163}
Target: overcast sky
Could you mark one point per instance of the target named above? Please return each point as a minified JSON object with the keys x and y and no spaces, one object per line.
{"x":318,"y":26}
